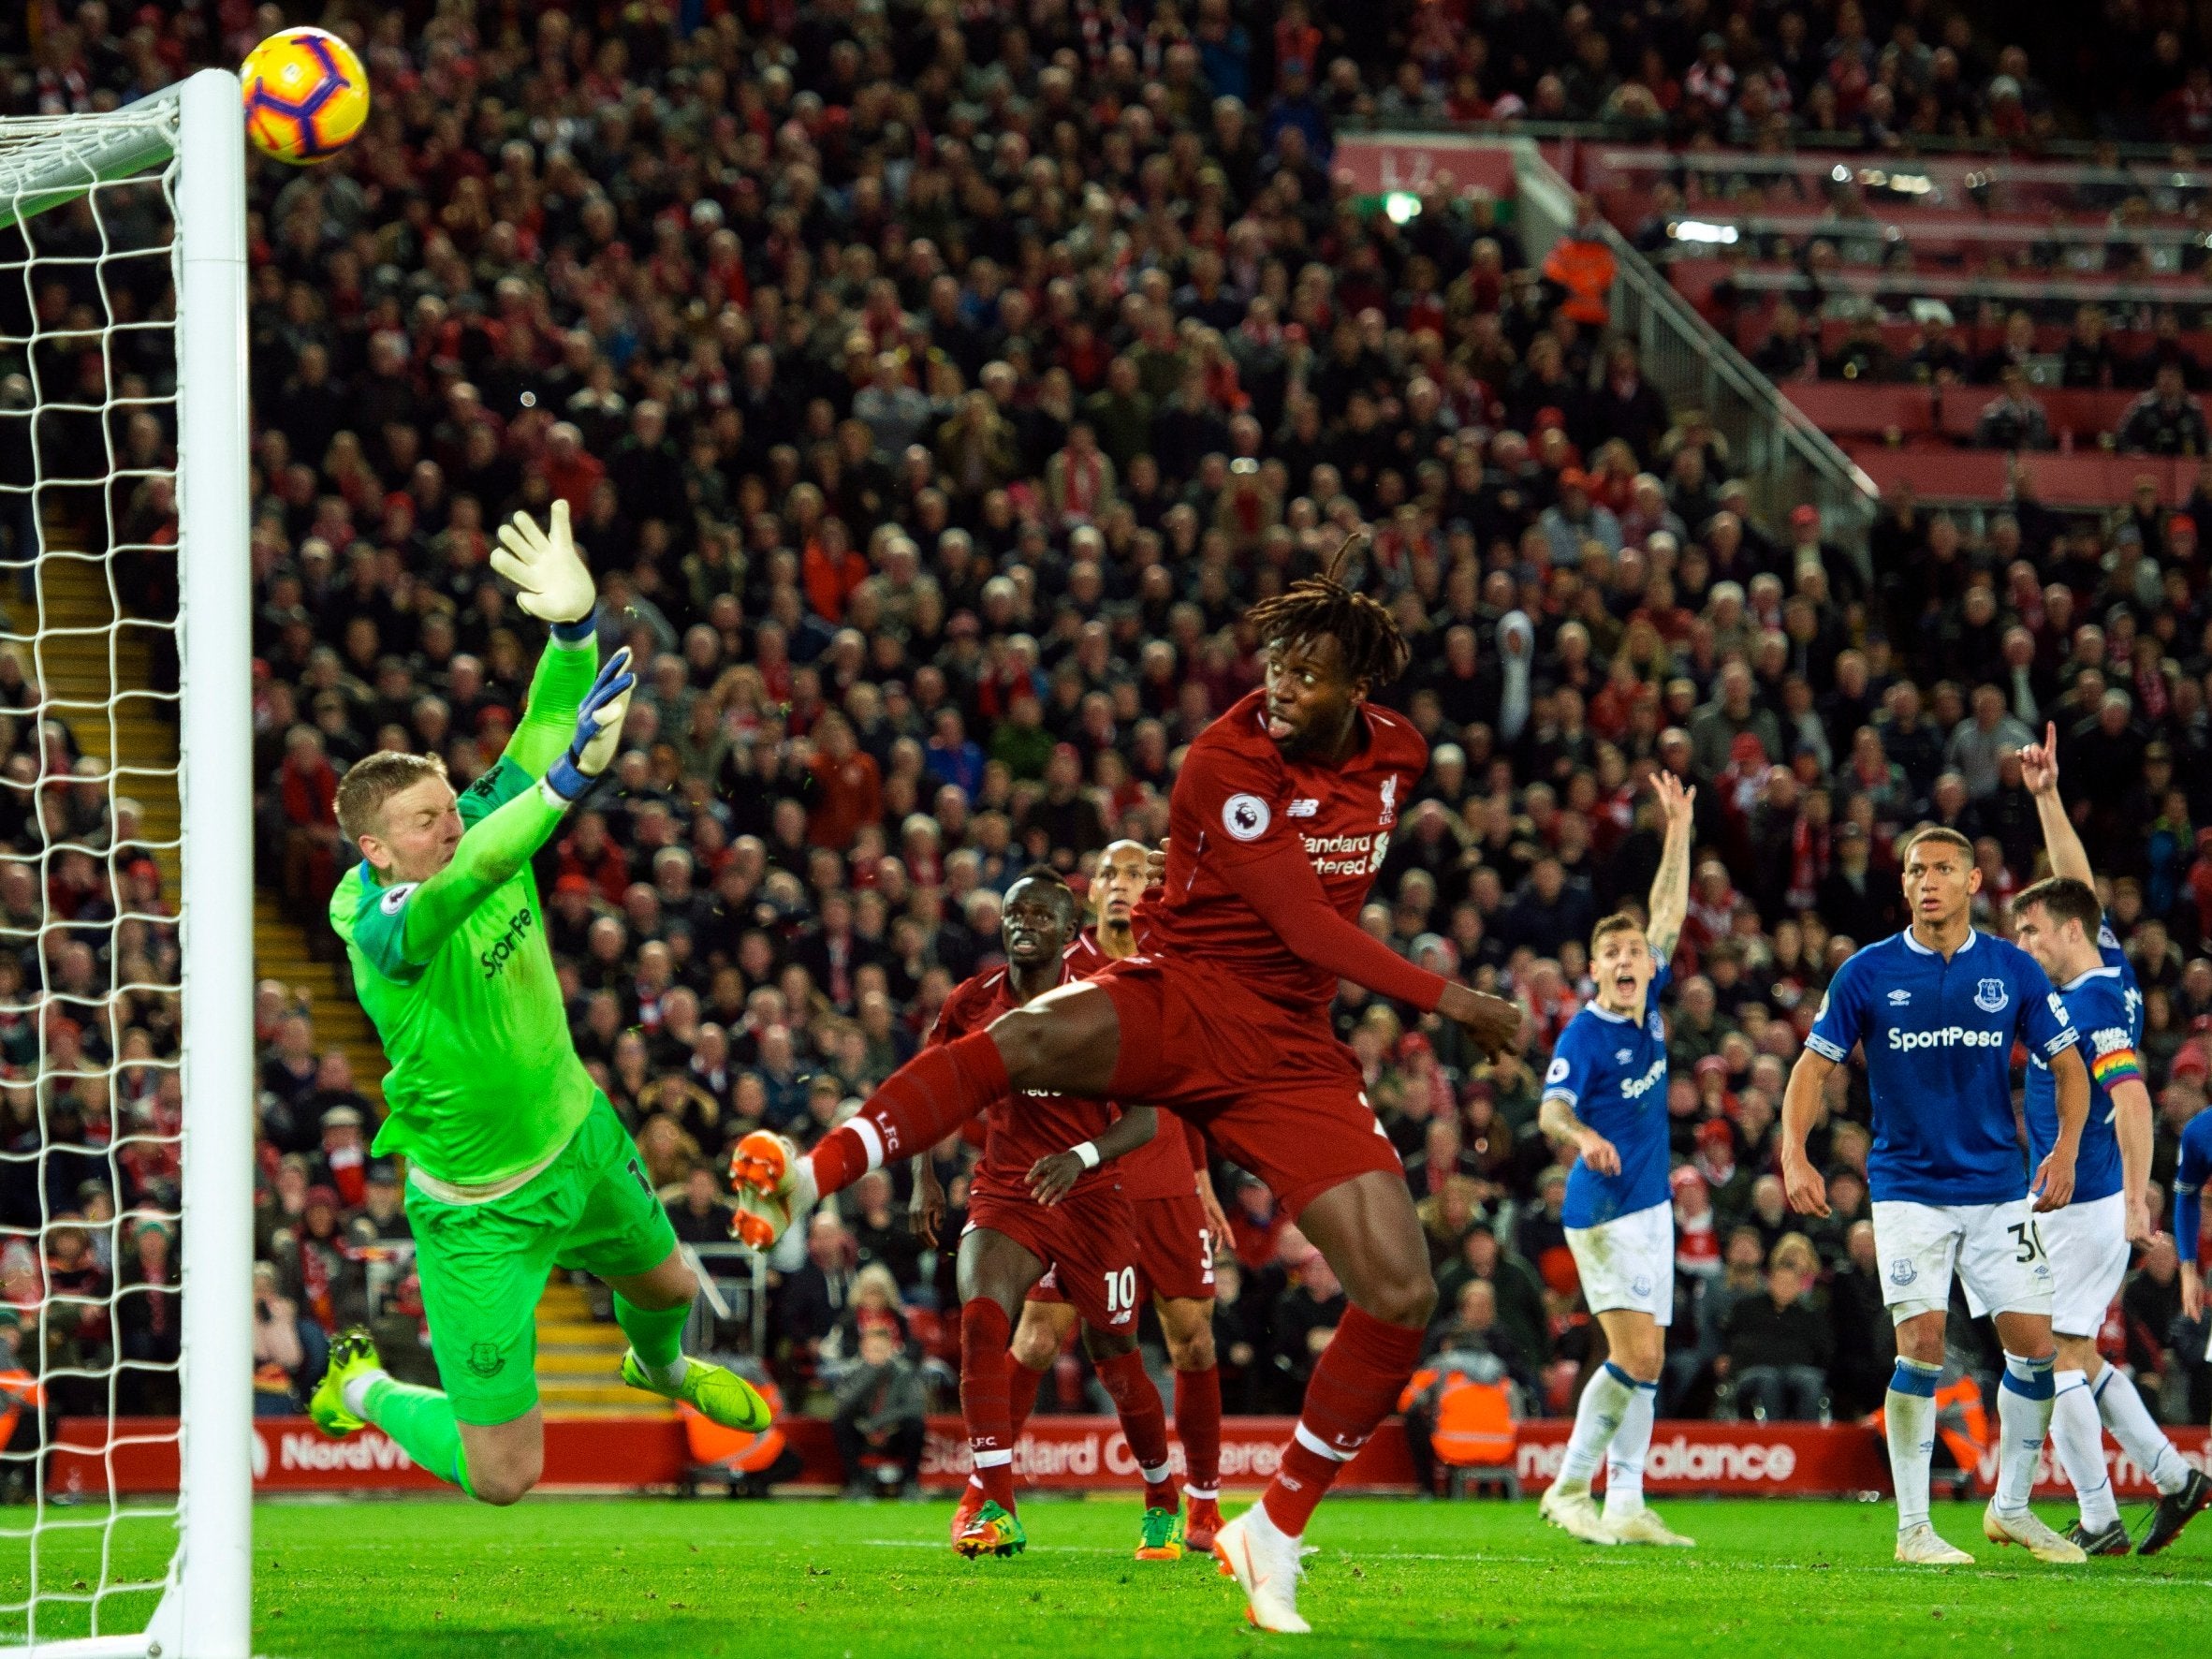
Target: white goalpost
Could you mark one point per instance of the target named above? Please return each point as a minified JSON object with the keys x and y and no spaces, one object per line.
{"x":94,"y":209}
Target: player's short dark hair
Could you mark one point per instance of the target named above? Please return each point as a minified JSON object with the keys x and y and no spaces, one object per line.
{"x":371,"y":781}
{"x":1045,"y":875}
{"x":1941,"y":833}
{"x":1620,"y":921}
{"x":2063,"y":899}
{"x":1375,"y":649}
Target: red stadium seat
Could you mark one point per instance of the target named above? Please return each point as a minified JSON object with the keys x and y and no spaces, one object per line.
{"x":1851,"y":409}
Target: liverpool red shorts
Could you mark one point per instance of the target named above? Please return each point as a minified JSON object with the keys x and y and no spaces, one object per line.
{"x":1270,"y":1086}
{"x":1174,"y":1249}
{"x":1086,"y":1241}
{"x":1173,"y":1252}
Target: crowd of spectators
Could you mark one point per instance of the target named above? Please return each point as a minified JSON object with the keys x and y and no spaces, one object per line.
{"x":933,"y":389}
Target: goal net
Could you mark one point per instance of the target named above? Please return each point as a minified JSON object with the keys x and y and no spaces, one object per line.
{"x":126,"y":882}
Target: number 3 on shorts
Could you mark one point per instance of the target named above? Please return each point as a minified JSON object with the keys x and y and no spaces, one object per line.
{"x":2029,"y":1240}
{"x":1120,"y":1291}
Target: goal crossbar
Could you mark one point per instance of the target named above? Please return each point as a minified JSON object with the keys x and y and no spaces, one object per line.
{"x":49,"y":161}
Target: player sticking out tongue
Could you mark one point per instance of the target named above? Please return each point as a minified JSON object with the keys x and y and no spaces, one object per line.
{"x":1280,"y":818}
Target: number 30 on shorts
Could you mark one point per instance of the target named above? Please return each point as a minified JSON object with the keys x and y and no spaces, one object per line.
{"x":2029,"y":1238}
{"x":1120,"y":1291}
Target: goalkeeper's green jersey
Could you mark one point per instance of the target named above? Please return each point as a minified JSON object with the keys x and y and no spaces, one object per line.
{"x":456,"y":973}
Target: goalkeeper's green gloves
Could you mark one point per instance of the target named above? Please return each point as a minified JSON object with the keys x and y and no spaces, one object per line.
{"x":546,"y":567}
{"x":598,"y":730}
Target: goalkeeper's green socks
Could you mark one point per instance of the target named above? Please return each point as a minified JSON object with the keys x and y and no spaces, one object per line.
{"x":656,"y":1337}
{"x":421,"y":1422}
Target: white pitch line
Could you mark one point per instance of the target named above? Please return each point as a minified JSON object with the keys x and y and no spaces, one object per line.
{"x":1607,"y":1559}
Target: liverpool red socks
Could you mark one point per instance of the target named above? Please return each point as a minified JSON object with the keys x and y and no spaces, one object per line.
{"x":1198,"y":1426}
{"x":985,"y":1334}
{"x":1144,"y":1423}
{"x":918,"y":1105}
{"x":1022,"y":1384}
{"x":1362,"y":1372}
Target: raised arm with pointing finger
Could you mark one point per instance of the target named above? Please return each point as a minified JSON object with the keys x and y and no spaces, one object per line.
{"x":2039,"y":771}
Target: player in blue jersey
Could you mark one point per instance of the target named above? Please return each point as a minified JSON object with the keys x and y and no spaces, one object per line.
{"x":2060,"y":924}
{"x":2190,"y":1177}
{"x":1604,"y":1101}
{"x":1936,"y":1010}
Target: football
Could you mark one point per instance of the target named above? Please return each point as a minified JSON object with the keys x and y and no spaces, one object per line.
{"x":306,"y":96}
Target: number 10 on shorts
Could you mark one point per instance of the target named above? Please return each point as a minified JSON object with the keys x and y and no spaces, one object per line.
{"x":1120,"y":1292}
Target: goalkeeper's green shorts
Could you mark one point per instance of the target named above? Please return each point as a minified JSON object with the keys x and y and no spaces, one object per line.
{"x":484,"y":1266}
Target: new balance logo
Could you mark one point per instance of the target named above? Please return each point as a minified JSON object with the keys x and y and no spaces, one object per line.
{"x":1301,"y":809}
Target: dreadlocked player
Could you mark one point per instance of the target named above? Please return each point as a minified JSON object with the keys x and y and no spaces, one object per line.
{"x":1280,"y":816}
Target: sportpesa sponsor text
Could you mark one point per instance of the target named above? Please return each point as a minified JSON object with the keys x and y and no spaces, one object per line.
{"x":1949,"y":1036}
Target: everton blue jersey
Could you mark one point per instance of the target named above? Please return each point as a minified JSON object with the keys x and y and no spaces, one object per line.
{"x":1612,"y":1070}
{"x":2190,"y":1176}
{"x":1939,"y":1042}
{"x":2106,"y":1007}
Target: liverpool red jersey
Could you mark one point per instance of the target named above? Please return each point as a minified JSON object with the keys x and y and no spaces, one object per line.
{"x":1026,"y":1127}
{"x":1236,"y":799}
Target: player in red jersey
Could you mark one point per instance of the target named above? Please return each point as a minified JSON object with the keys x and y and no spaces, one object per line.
{"x":1281,"y":815}
{"x":1043,"y":1200}
{"x":1177,"y":1220}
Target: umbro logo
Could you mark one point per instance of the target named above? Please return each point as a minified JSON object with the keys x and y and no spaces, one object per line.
{"x":1622,"y":1055}
{"x":1898,"y":999}
{"x":1301,"y":809}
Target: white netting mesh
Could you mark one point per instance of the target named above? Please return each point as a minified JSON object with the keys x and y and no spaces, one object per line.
{"x":91,"y":981}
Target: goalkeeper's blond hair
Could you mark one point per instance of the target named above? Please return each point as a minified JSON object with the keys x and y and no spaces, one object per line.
{"x":375,"y":779}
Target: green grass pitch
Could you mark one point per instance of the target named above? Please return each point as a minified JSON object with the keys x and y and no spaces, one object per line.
{"x":638,"y":1578}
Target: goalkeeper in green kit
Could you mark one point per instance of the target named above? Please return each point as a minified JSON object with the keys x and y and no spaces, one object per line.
{"x":517,"y":1163}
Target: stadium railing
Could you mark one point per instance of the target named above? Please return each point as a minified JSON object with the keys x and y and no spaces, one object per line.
{"x":1986,"y":184}
{"x":1787,"y":460}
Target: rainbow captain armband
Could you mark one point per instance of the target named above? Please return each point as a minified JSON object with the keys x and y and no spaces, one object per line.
{"x":2116,"y":1063}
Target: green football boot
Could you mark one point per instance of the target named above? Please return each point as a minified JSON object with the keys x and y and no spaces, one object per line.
{"x":993,"y":1532}
{"x":715,"y":1392}
{"x":1162,"y":1536}
{"x":353,"y":1351}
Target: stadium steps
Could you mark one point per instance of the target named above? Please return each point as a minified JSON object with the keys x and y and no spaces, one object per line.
{"x":580,"y":1360}
{"x":93,"y":675}
{"x":281,"y":952}
{"x":91,"y":671}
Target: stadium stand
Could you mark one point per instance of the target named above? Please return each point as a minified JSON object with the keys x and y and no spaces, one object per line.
{"x":934,"y":387}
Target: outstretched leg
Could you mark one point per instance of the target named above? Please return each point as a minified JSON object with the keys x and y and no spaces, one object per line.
{"x":1067,"y":1041}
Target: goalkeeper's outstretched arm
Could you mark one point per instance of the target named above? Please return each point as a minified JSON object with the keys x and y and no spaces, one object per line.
{"x":557,"y":689}
{"x":487,"y":856}
{"x":500,"y":843}
{"x":555,"y":586}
